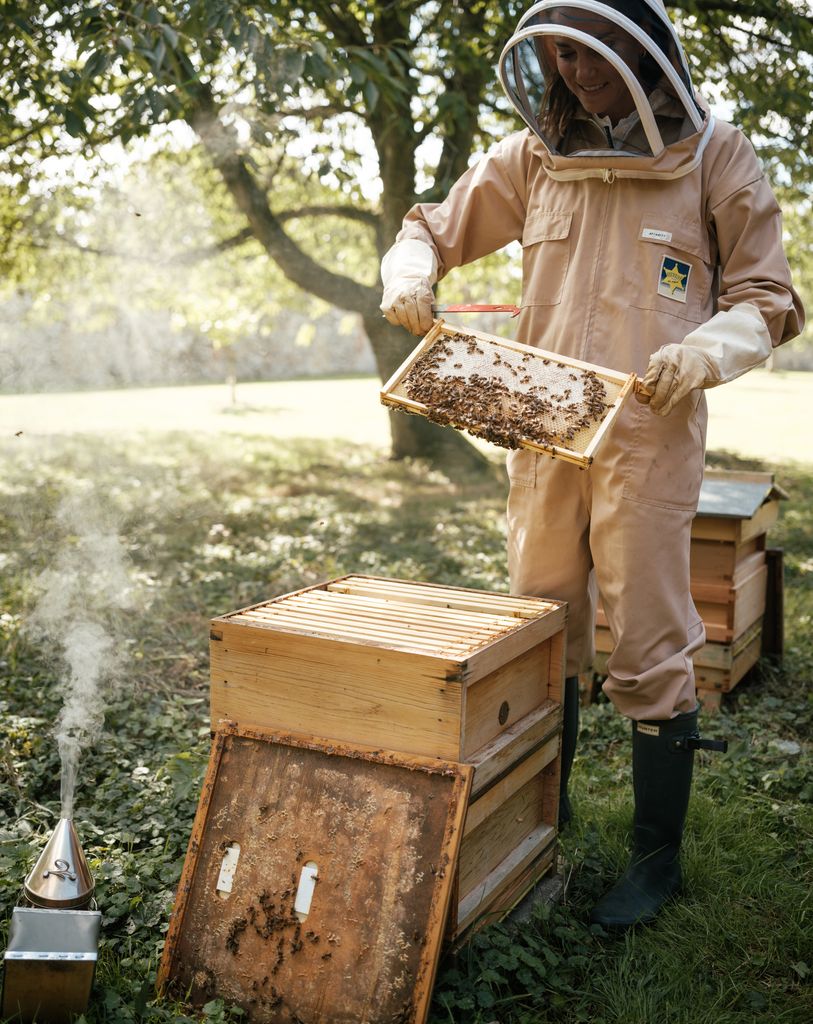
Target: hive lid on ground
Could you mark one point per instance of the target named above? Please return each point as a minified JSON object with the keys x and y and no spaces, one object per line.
{"x":317,"y":881}
{"x":735,"y":494}
{"x":423,"y":618}
{"x":509,"y":393}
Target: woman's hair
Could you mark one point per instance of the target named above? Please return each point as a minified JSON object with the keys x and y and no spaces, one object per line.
{"x":560,"y":104}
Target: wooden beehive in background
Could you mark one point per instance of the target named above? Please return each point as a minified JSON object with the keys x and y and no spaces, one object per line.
{"x":736,"y":581}
{"x":444,"y":672}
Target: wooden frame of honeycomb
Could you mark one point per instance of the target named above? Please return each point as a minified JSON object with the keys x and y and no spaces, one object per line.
{"x":508,"y":393}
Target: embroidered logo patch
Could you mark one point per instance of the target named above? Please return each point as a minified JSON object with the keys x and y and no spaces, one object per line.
{"x":674,"y":278}
{"x":648,"y":730}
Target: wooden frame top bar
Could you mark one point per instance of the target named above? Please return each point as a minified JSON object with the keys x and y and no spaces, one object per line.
{"x":431,"y":619}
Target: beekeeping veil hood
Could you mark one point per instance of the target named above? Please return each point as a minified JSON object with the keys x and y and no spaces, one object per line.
{"x":639,"y":41}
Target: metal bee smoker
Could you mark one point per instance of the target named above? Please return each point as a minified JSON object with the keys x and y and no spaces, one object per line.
{"x":53,"y":940}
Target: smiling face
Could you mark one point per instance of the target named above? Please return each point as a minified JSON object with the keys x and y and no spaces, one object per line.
{"x":593,"y":80}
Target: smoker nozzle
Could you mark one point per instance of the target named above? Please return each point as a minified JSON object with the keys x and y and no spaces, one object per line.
{"x":61,"y":877}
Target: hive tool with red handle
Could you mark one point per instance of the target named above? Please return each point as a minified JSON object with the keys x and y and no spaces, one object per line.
{"x":476,"y":307}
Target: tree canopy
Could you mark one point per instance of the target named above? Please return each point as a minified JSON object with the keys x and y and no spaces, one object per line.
{"x":364,"y":106}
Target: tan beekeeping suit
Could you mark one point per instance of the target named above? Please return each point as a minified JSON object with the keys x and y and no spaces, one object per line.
{"x":622,"y":254}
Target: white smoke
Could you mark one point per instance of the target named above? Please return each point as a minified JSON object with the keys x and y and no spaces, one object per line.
{"x":83,"y":596}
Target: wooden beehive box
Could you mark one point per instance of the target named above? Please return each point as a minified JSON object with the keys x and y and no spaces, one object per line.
{"x":717,"y":666}
{"x":730,"y":580}
{"x":446,"y":672}
{"x":316,"y":882}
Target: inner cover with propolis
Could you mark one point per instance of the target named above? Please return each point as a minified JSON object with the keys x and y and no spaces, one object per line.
{"x":317,"y":881}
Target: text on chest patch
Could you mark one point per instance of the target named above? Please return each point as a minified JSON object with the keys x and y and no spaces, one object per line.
{"x":655,"y":234}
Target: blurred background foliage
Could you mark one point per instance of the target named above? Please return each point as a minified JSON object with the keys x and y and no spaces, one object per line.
{"x":206,"y":173}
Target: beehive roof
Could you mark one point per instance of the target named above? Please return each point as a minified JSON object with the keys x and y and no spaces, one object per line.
{"x":736,"y":495}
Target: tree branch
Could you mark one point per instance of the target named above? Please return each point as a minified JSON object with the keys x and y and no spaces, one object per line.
{"x":221,"y":144}
{"x":459,"y":136}
{"x":742,"y":10}
{"x":346,"y":28}
{"x":314,"y":113}
{"x":770,"y":40}
{"x":391,"y":126}
{"x":187,"y":258}
{"x":92,"y":250}
{"x":366,"y":217}
{"x":206,"y":252}
{"x":33,"y":130}
{"x":751,"y":33}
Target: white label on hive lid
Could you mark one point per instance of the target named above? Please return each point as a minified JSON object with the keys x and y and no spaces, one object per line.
{"x":228,"y":866}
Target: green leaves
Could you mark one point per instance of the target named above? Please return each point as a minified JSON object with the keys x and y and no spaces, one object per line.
{"x":170,"y":35}
{"x":74,"y":124}
{"x":96,"y":64}
{"x":432,"y":63}
{"x":510,"y":963}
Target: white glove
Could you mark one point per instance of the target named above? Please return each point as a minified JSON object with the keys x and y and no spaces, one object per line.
{"x":408,"y":271}
{"x":731,"y":343}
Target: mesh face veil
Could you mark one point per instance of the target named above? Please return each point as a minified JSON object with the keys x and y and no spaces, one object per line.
{"x":599,"y":61}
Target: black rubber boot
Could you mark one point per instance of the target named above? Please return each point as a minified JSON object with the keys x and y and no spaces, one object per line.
{"x":570,"y":730}
{"x":662,"y":761}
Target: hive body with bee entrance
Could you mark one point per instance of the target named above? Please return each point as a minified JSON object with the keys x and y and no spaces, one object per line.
{"x":508,"y":393}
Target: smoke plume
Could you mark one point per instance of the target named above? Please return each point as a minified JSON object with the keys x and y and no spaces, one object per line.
{"x":83,"y":596}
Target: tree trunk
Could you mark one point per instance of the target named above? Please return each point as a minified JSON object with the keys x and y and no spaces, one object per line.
{"x":412,"y":436}
{"x":415,"y":436}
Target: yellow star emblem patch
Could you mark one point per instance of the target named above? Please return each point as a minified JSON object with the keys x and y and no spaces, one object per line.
{"x":674,"y":278}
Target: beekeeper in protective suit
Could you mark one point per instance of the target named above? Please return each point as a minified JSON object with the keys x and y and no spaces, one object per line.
{"x":651,"y":242}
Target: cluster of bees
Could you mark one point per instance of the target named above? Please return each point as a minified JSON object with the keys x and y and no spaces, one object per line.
{"x":549,"y":406}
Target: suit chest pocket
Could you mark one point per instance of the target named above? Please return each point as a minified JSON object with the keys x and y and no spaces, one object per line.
{"x":545,"y":256}
{"x":671,"y":270}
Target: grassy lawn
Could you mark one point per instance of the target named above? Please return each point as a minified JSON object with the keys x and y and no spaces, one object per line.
{"x":284,"y":491}
{"x":762,"y":415}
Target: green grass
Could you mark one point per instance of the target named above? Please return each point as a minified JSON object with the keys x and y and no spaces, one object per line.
{"x":763,"y":415}
{"x":211,"y":525}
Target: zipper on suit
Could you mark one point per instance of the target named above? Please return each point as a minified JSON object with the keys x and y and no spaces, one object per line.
{"x":608,"y":175}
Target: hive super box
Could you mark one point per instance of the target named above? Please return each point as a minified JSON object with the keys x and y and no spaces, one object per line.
{"x":445,"y":672}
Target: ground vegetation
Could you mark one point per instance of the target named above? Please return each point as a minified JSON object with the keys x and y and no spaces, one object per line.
{"x":208,"y":527}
